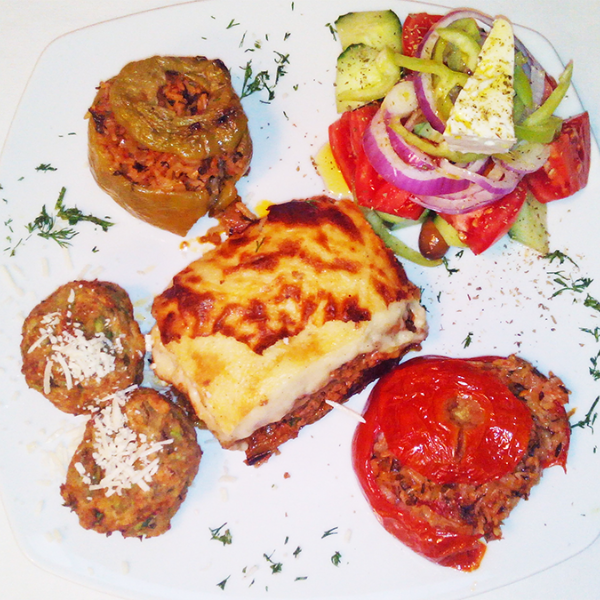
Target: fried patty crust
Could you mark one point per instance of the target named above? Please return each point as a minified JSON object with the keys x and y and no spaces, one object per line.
{"x":82,"y":343}
{"x":132,"y":470}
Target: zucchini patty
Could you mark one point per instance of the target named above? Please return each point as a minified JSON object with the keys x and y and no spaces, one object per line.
{"x":82,"y":343}
{"x":132,"y":470}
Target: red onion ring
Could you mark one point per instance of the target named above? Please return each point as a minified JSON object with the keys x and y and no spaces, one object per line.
{"x":423,"y":81}
{"x":393,"y":169}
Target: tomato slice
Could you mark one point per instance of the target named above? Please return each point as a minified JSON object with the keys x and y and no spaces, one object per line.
{"x":339,"y":140}
{"x":450,"y":421}
{"x":482,"y":228}
{"x":415,"y":27}
{"x":369,"y":188}
{"x":567,"y":169}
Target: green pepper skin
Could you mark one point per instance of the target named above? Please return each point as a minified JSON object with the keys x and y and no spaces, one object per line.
{"x":134,"y":101}
{"x":217,"y":134}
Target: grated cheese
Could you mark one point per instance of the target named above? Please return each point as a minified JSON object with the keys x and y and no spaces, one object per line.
{"x":125,"y":457}
{"x":78,"y":357}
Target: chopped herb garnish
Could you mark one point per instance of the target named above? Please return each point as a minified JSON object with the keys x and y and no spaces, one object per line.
{"x":467,"y":341}
{"x":594,"y":370}
{"x":255,"y":83}
{"x":297,"y":551}
{"x":45,"y":167}
{"x":450,"y":270}
{"x":595,"y":332}
{"x":560,"y":256}
{"x":276,"y":567}
{"x":590,"y":417}
{"x":591,"y":302}
{"x":225,"y":537}
{"x":43,"y":225}
{"x":223,"y":583}
{"x":331,"y":30}
{"x":329,"y":532}
{"x":302,"y":578}
{"x":74,"y":215}
{"x":261,"y":81}
{"x":336,"y":558}
{"x":232,"y":23}
{"x":568,"y":284}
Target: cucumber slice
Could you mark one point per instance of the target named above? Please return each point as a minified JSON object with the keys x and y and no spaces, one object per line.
{"x":375,"y":28}
{"x":364,"y":74}
{"x":531,"y":227}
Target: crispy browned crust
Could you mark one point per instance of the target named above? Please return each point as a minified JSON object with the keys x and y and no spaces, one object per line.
{"x":99,"y":306}
{"x":136,"y":512}
{"x":187,"y":308}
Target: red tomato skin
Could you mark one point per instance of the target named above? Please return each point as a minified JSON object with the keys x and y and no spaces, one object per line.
{"x":449,"y":549}
{"x":416,"y":407}
{"x":441,"y":546}
{"x":567,"y":169}
{"x":415,"y":26}
{"x":482,"y":228}
{"x":369,"y":188}
{"x":339,"y":141}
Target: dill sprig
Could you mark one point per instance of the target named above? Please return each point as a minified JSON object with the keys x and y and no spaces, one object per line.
{"x":74,"y":215}
{"x":276,"y":567}
{"x":225,"y":537}
{"x":590,"y":417}
{"x":264,"y":80}
{"x":568,"y":284}
{"x":45,"y":167}
{"x":46,"y":226}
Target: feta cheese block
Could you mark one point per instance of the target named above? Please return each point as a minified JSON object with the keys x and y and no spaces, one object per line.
{"x":482,"y":117}
{"x":304,"y":300}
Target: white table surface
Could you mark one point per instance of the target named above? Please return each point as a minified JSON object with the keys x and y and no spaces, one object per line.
{"x":27,"y":27}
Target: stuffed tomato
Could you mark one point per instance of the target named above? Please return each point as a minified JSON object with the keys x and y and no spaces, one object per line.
{"x":449,"y":447}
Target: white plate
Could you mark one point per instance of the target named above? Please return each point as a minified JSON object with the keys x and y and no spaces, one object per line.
{"x":502,"y":301}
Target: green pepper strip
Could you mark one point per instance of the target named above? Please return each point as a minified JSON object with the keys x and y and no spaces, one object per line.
{"x":464,"y":42}
{"x":394,"y":244}
{"x":543,"y":133}
{"x":440,"y":150}
{"x":546,"y":110}
{"x":523,"y":87}
{"x":425,"y":65}
{"x":395,"y":222}
{"x":469,"y":26}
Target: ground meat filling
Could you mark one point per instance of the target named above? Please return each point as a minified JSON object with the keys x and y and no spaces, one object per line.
{"x":349,"y":379}
{"x":162,"y":170}
{"x":479,"y":510}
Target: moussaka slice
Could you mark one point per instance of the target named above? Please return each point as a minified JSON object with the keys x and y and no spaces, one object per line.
{"x":303,"y":307}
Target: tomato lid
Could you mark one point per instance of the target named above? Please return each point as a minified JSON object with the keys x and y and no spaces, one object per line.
{"x":452,"y":422}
